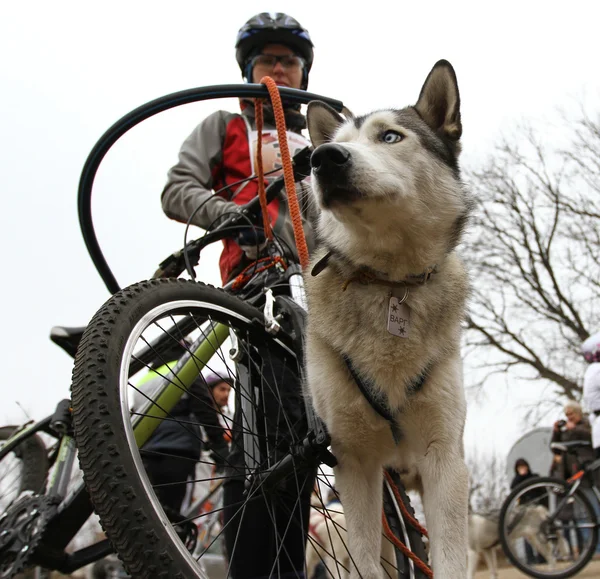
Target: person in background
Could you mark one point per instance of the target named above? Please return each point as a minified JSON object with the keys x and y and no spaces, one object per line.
{"x":591,"y":386}
{"x":523,"y":473}
{"x":591,"y":398}
{"x":575,"y":427}
{"x":171,"y":454}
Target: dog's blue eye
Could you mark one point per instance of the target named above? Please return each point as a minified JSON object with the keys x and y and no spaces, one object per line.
{"x":391,"y":137}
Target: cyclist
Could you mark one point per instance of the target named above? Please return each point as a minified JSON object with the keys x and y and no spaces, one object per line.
{"x":222,"y":149}
{"x":215,"y":157}
{"x":591,"y":386}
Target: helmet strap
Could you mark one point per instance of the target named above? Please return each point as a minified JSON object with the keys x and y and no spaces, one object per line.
{"x":248,"y":72}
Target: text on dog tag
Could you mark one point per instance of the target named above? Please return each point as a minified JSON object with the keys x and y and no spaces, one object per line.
{"x":398,"y":322}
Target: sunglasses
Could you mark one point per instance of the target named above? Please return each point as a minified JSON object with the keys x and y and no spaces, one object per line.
{"x":269,"y":61}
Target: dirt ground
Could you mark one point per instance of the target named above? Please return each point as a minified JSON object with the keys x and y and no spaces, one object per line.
{"x":592,"y":571}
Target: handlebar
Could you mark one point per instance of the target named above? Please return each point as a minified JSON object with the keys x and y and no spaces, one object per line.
{"x":174,"y":265}
{"x":114,"y":133}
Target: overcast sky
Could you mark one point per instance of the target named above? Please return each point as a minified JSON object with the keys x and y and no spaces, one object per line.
{"x":70,"y":69}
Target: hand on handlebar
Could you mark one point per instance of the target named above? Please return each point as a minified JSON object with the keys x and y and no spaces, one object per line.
{"x":252,"y":241}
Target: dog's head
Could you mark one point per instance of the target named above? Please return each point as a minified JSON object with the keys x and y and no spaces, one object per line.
{"x":392,"y":173}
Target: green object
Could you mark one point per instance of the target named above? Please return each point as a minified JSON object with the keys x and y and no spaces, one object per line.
{"x":175,"y":384}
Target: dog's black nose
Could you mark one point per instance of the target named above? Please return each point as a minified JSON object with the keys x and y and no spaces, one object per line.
{"x":329,"y":157}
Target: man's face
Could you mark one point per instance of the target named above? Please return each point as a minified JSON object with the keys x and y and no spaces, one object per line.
{"x":572,"y":415}
{"x":221,"y":393}
{"x":287,"y":73}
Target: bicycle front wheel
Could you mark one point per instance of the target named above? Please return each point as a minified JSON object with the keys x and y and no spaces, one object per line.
{"x":173,"y":498}
{"x":547,"y":532}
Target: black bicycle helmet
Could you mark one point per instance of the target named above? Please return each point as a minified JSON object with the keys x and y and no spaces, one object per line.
{"x":272,"y":28}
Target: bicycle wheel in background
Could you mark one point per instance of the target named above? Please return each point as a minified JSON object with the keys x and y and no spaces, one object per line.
{"x":23,"y":473}
{"x":23,"y":469}
{"x":263,"y":522}
{"x":542,"y":541}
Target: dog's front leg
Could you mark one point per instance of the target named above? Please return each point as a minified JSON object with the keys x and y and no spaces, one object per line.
{"x":360,"y":482}
{"x":491,"y":562}
{"x":445,"y":496}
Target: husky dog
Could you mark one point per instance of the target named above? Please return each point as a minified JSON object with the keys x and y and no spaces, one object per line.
{"x":386,"y":298}
{"x":484,"y":538}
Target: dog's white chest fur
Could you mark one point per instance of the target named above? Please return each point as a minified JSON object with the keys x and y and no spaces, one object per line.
{"x":355,"y":323}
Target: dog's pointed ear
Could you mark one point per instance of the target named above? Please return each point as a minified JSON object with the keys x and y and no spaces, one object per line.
{"x":439,"y":101}
{"x":322,"y":122}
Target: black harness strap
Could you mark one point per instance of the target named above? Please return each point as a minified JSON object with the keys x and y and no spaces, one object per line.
{"x":379,"y":406}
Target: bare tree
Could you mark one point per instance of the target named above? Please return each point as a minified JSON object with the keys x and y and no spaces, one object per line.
{"x":488,"y":482}
{"x":535,"y":253}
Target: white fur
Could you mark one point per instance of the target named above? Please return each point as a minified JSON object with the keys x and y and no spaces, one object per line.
{"x":402,"y":224}
{"x":483,"y":540}
{"x":328,"y":543}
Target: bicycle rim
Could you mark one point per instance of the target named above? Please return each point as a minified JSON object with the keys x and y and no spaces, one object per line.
{"x":544,"y":533}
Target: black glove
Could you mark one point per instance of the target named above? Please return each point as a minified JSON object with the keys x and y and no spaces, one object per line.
{"x":252,"y":241}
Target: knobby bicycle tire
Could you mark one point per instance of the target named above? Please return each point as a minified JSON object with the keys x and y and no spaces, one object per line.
{"x":530,"y":493}
{"x":127,"y":503}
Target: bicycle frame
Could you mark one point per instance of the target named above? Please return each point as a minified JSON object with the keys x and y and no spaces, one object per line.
{"x":575,"y":483}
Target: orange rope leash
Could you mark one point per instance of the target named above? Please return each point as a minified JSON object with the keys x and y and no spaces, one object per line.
{"x":415,"y":524}
{"x":288,"y":172}
{"x":400,"y":545}
{"x":243,"y":277}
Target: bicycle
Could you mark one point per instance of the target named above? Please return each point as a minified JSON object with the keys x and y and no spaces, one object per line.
{"x":556,"y":517}
{"x":254,"y":330}
{"x":39,"y":516}
{"x":41,"y":506}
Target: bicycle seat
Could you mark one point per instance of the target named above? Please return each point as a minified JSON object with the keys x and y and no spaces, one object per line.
{"x":569,"y":445}
{"x":67,"y":338}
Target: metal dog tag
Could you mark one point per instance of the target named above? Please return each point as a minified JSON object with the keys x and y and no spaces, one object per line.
{"x":398,"y":322}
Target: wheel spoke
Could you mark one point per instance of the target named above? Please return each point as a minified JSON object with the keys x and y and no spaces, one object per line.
{"x":255,"y":502}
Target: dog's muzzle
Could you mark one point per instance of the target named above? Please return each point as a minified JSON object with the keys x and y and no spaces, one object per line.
{"x":331,"y":164}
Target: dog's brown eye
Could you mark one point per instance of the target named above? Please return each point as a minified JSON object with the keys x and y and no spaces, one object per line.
{"x":391,"y":137}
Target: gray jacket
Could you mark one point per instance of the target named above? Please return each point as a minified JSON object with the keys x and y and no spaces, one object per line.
{"x":219,"y":153}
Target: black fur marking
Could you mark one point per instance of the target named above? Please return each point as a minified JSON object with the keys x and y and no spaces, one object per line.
{"x":443,"y":148}
{"x":359,"y":121}
{"x":378,"y":401}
